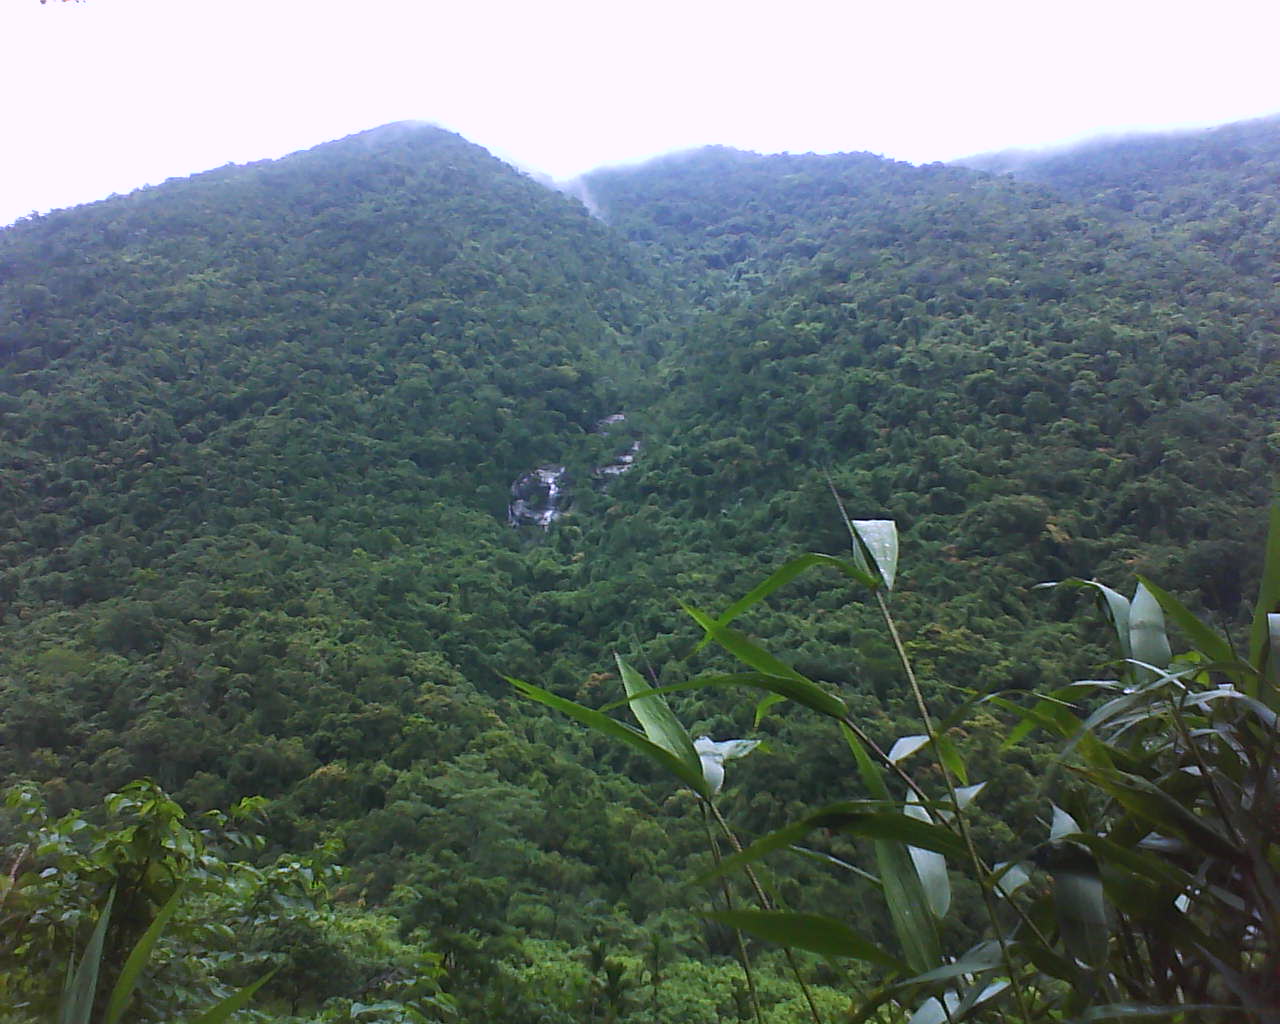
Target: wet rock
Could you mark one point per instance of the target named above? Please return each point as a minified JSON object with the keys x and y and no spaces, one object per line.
{"x":538,"y":498}
{"x":621,"y":463}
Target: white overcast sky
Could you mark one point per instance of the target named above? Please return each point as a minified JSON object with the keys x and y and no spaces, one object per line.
{"x":104,"y":96}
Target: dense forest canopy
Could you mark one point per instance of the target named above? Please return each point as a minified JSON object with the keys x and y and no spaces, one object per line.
{"x":259,"y":431}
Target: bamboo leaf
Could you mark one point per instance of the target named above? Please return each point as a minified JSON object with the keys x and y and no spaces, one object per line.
{"x":950,"y":756}
{"x":137,"y":960}
{"x":1063,"y":825}
{"x":1117,"y":606}
{"x":1272,"y":667}
{"x":931,"y":1011}
{"x":656,"y":717}
{"x":930,"y":865}
{"x":1140,"y":1011}
{"x":984,"y":957}
{"x":854,"y":819}
{"x":690,"y":775}
{"x":813,"y":932}
{"x":1268,"y":602}
{"x":1148,"y":641}
{"x":1202,"y":637}
{"x":1162,"y":811}
{"x":1009,"y":877}
{"x":1082,"y":915}
{"x":77,"y":1001}
{"x":905,"y":746}
{"x":903,"y":892}
{"x":233,"y":1003}
{"x":878,"y":539}
{"x":779,"y":677}
{"x":784,"y":575}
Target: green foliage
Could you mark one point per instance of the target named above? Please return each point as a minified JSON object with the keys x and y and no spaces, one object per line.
{"x":179,"y":929}
{"x":1161,"y":877}
{"x":258,"y":430}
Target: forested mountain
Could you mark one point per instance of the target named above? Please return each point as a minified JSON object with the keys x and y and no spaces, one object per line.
{"x":260,"y":430}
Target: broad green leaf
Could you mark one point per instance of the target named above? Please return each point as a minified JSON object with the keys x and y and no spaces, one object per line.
{"x":1268,"y":602}
{"x":690,"y":775}
{"x":1202,"y":637}
{"x":77,"y":1000}
{"x":813,"y":932}
{"x":1148,"y":641}
{"x":872,"y":774}
{"x":137,"y":960}
{"x":798,"y":688}
{"x":930,"y":866}
{"x":656,"y":717}
{"x":977,"y":994}
{"x":878,"y":539}
{"x":233,"y":1003}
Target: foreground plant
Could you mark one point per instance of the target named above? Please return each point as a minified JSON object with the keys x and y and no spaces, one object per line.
{"x":1157,"y":890}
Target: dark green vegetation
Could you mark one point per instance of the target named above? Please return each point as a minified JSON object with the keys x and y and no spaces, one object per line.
{"x":259,"y":428}
{"x":1153,"y":892}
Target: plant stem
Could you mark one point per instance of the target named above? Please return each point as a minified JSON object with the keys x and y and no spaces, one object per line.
{"x":961,"y":819}
{"x":737,"y":933}
{"x":767,"y":904}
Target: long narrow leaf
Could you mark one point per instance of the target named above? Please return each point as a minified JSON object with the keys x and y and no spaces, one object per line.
{"x":801,"y":690}
{"x":1162,"y":811}
{"x":690,"y":776}
{"x":813,"y":932}
{"x":77,"y":1003}
{"x":1202,"y":637}
{"x":981,"y":958}
{"x":1117,"y":606}
{"x":137,"y":960}
{"x":878,"y":539}
{"x":1148,"y":641}
{"x":930,"y":866}
{"x":790,"y":571}
{"x":233,"y":1003}
{"x":1140,"y":1011}
{"x":1082,"y":915}
{"x":903,"y":892}
{"x":780,"y":688}
{"x":657,"y":719}
{"x":1268,"y":599}
{"x":853,"y":819}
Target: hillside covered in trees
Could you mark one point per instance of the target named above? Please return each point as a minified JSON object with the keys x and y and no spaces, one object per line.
{"x":261,"y":432}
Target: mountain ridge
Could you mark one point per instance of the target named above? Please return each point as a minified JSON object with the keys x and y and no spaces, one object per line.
{"x":260,"y":430}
